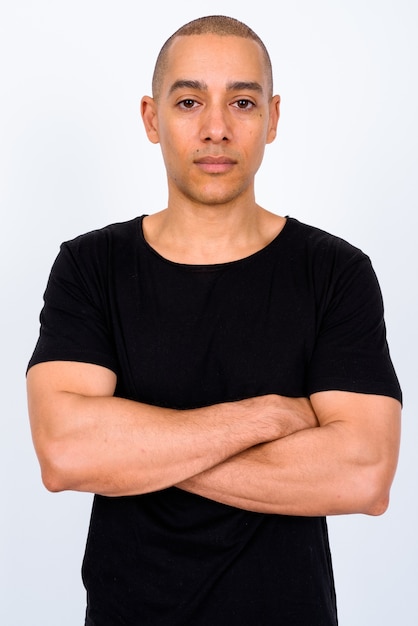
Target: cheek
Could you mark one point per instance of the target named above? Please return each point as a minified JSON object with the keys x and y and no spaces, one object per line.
{"x":169,"y":144}
{"x":174,"y":140}
{"x":175,"y":158}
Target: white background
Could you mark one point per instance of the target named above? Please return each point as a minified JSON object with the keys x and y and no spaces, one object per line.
{"x":74,"y":156}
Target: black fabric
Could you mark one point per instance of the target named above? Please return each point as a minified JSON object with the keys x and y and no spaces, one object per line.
{"x":304,"y":314}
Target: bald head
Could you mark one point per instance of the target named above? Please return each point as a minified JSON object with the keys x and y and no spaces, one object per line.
{"x":214,"y":25}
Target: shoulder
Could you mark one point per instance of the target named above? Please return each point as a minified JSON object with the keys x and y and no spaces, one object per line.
{"x":117,"y":234}
{"x":318,"y":240}
{"x":335,"y":269}
{"x":324,"y":251}
{"x":92,"y":256}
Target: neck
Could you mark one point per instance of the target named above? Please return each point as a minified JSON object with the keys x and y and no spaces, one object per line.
{"x":210,"y":235}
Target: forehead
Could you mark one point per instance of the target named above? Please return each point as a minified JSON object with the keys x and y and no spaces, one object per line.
{"x":214,"y":60}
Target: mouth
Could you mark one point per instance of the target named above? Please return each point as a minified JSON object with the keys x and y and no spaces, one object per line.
{"x":215,"y":164}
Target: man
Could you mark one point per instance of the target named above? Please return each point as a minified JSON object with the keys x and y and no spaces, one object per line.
{"x":216,"y":374}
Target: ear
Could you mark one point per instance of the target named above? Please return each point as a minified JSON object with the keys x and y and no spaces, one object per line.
{"x":149,"y":118}
{"x":274,"y":118}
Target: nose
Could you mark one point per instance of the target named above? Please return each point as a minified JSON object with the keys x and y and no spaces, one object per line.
{"x":215,"y":125}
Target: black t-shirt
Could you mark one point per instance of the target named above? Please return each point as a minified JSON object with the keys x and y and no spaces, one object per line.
{"x":303,"y":315}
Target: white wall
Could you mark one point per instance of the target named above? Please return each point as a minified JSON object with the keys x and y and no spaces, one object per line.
{"x":73,"y":156}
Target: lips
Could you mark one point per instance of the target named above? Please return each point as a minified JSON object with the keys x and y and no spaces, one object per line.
{"x":212,"y":160}
{"x":215,"y":164}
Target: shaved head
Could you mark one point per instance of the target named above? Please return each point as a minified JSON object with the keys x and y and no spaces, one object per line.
{"x":214,"y":25}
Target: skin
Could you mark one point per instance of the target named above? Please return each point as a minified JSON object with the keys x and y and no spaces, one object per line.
{"x":220,"y":112}
{"x":333,"y":453}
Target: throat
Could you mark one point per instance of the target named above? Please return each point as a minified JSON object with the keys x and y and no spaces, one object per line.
{"x":209,"y":244}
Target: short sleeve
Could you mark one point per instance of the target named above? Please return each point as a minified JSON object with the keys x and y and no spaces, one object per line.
{"x":74,"y":321}
{"x":351,"y":351}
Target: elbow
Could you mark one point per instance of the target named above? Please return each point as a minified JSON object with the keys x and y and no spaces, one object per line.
{"x":377,"y":506}
{"x":55,"y":470}
{"x":375,"y":493}
{"x":372,"y":482}
{"x":52,"y":483}
{"x":55,"y":458}
{"x":52,"y":479}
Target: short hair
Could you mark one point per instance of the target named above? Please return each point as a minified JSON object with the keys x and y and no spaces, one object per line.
{"x":211,"y":24}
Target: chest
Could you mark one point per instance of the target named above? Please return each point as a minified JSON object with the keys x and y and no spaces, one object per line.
{"x":203,"y":336}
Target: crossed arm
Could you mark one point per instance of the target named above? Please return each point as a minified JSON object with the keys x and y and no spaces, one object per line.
{"x":344,"y":466}
{"x":336,"y":453}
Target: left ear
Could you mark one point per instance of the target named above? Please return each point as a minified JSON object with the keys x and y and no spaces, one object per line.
{"x":274,"y":118}
{"x":149,"y":118}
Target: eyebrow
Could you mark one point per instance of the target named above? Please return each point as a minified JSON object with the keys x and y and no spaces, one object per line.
{"x":239,"y":85}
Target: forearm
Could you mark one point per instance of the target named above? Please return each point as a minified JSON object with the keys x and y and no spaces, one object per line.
{"x":113,"y":446}
{"x":330,"y":470}
{"x":267,"y":479}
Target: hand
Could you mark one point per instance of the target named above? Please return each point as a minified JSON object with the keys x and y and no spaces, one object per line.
{"x":281,"y":415}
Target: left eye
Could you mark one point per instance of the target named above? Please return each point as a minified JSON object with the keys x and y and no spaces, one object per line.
{"x":188,"y":103}
{"x":244,"y":104}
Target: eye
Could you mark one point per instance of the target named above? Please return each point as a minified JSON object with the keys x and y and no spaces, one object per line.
{"x":244,"y":104}
{"x":188,"y":103}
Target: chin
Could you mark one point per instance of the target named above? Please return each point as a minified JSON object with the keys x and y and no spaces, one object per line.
{"x":215,"y":197}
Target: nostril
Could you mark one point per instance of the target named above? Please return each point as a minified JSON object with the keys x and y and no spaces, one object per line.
{"x":210,"y":139}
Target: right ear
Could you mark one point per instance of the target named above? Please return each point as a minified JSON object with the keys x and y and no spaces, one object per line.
{"x":149,"y":117}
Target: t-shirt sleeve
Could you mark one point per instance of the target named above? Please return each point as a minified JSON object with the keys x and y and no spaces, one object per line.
{"x":351,"y":351}
{"x":74,"y":323}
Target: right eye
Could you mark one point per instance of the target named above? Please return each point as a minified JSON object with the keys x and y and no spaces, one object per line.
{"x":188,"y":103}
